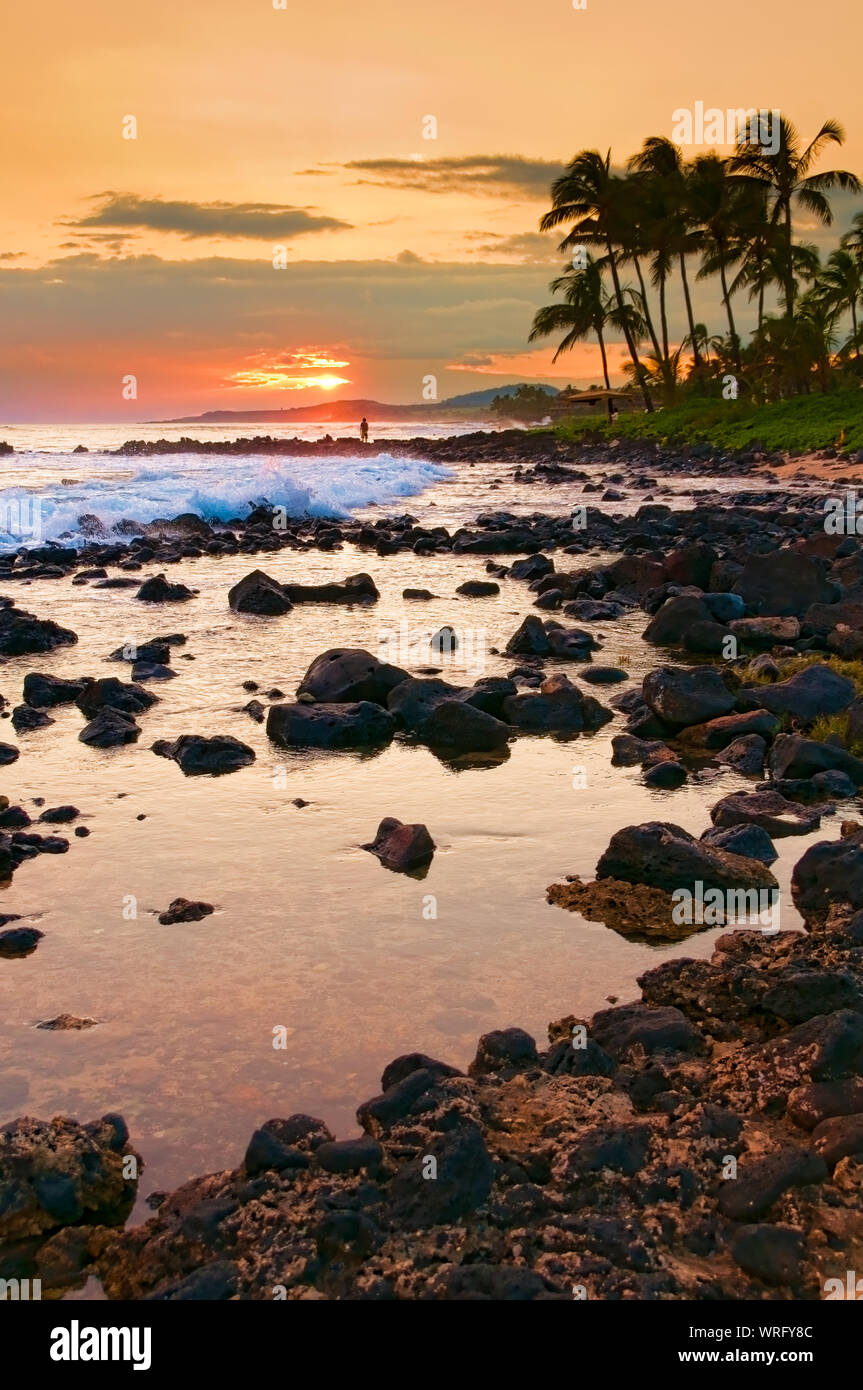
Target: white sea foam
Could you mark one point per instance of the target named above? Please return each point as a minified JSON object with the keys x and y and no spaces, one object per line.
{"x":66,"y":487}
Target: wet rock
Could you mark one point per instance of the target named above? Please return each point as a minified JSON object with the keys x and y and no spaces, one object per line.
{"x":200,"y":756}
{"x":22,"y":633}
{"x":682,"y":695}
{"x":259,"y":593}
{"x":44,"y":692}
{"x":531,"y":639}
{"x":665,"y":776}
{"x":634,"y":910}
{"x":255,"y":710}
{"x":602,"y":675}
{"x":412,"y":700}
{"x":182,"y":910}
{"x":157,"y":653}
{"x":478,"y":588}
{"x":400,"y":847}
{"x":418,"y":594}
{"x":19,"y":941}
{"x":60,"y":815}
{"x":8,"y":754}
{"x":665,"y":856}
{"x":344,"y":675}
{"x":718,"y":733}
{"x":766,"y":632}
{"x":357,"y":588}
{"x":748,"y":839}
{"x":768,"y":809}
{"x":801,"y":994}
{"x":558,"y":706}
{"x":829,"y":874}
{"x":111,"y":693}
{"x":670,"y":624}
{"x":152,"y":671}
{"x":350,"y":1155}
{"x":159,"y":590}
{"x":109,"y":729}
{"x":628,"y":750}
{"x":352,"y":725}
{"x":746,"y":755}
{"x":25,"y":719}
{"x":453,"y":725}
{"x":267,"y":1153}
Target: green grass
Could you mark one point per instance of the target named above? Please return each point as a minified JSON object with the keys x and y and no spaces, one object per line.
{"x":825,"y":723}
{"x":804,"y":423}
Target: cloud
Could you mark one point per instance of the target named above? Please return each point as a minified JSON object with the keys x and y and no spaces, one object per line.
{"x":501,"y":175}
{"x":254,"y":221}
{"x":530,"y":248}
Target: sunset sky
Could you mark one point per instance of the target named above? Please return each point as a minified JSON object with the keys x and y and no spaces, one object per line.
{"x":303,"y":127}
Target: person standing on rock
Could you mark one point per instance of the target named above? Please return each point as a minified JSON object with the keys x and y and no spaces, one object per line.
{"x":364,"y":430}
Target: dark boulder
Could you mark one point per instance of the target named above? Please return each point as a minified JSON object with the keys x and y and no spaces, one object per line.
{"x":360,"y":724}
{"x":109,"y":728}
{"x":159,"y":590}
{"x":344,"y":675}
{"x":259,"y":593}
{"x":685,"y":695}
{"x":200,"y":756}
{"x":357,"y":588}
{"x":665,"y":856}
{"x":402,"y":848}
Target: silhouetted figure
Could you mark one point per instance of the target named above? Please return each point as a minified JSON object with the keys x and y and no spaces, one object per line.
{"x":364,"y":430}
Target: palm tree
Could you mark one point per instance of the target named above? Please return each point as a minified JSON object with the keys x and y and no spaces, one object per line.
{"x":840,"y":285}
{"x":587,"y":308}
{"x":589,"y":196}
{"x":786,"y":179}
{"x":716,"y":202}
{"x":853,"y":241}
{"x":660,"y":163}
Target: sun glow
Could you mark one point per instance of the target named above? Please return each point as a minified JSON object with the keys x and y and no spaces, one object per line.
{"x":293,"y":371}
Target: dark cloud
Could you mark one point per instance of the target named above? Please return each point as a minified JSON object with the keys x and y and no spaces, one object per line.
{"x":254,"y":221}
{"x":11,"y":255}
{"x":531,"y":248}
{"x":496,"y":174}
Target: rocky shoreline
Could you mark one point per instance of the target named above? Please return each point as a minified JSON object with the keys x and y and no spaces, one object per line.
{"x":703,"y":1142}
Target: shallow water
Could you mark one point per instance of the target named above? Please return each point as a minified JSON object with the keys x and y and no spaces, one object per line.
{"x":311,"y":933}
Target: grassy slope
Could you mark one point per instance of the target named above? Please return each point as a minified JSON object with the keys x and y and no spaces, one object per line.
{"x":804,"y":423}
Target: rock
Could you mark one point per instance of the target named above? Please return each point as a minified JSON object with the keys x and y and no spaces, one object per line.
{"x":802,"y":994}
{"x":746,"y":755}
{"x":504,"y":1050}
{"x":488,"y":694}
{"x":350,"y":1155}
{"x":782,"y":583}
{"x":351,"y":725}
{"x":419,"y":594}
{"x":255,"y":710}
{"x":628,"y":1026}
{"x":794,"y":756}
{"x":8,"y":754}
{"x":768,"y":809}
{"x":19,"y":941}
{"x":58,"y":1172}
{"x":558,"y":707}
{"x":761,"y":1183}
{"x":259,"y":593}
{"x":809,"y":1105}
{"x":837,"y":1137}
{"x":478,"y":588}
{"x":157,"y":653}
{"x":665,"y":776}
{"x":357,"y":588}
{"x":634,"y":910}
{"x":464,"y":1177}
{"x":462,"y":728}
{"x":747,"y":839}
{"x":158,"y":590}
{"x":682,"y":696}
{"x":665,"y":856}
{"x":67,"y":1023}
{"x":724,"y":607}
{"x":152,"y":671}
{"x":718,"y":733}
{"x":25,"y":718}
{"x":111,"y":693}
{"x":109,"y":729}
{"x":267,"y":1153}
{"x":570,"y":644}
{"x":531,"y":639}
{"x":197,"y":755}
{"x":812,"y":692}
{"x":182,"y":910}
{"x":412,"y":700}
{"x":835,"y":784}
{"x":628,"y":750}
{"x":677,"y":615}
{"x":344,"y":675}
{"x":403,"y":848}
{"x":60,"y":815}
{"x":602,"y":675}
{"x":773,"y":1254}
{"x":766,"y":632}
{"x":760,"y":1077}
{"x":829,"y":874}
{"x":707,"y":638}
{"x":22,"y":633}
{"x":44,"y":692}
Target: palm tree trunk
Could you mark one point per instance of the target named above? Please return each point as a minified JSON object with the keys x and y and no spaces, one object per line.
{"x":735,"y":342}
{"x":630,"y":342}
{"x":789,"y":264}
{"x":604,"y":359}
{"x":854,"y":329}
{"x":647,"y":318}
{"x":696,"y":355}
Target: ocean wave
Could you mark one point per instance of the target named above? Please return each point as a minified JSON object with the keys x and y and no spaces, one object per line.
{"x":212,"y":487}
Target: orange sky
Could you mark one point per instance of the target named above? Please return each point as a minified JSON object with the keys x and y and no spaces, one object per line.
{"x":431,"y":265}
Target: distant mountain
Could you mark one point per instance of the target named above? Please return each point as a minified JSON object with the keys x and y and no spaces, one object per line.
{"x":486,"y":397}
{"x":345,"y":412}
